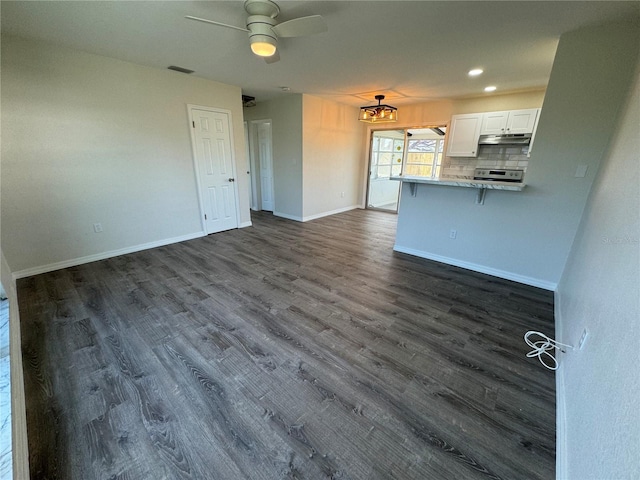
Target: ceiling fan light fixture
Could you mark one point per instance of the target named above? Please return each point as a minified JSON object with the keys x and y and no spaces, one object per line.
{"x":264,"y":30}
{"x":263,"y":46}
{"x":378,"y":113}
{"x":261,"y":36}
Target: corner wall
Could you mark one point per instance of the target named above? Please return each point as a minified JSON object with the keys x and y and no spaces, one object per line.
{"x":333,"y":157}
{"x":598,"y":386}
{"x":89,"y":139}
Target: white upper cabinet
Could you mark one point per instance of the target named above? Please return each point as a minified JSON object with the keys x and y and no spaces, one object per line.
{"x":463,"y":134}
{"x":494,"y":123}
{"x":513,"y":121}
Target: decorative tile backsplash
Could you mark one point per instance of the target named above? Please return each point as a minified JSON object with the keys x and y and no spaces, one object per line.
{"x":489,"y":156}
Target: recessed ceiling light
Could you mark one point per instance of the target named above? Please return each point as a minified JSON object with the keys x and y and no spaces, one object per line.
{"x":491,"y":88}
{"x":475,"y":72}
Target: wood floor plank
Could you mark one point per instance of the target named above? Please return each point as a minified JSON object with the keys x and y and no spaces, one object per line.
{"x":285,"y":350}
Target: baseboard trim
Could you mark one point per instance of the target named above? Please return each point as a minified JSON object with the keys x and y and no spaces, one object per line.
{"x":245,"y":224}
{"x":534,"y":282}
{"x":28,"y":272}
{"x":332,"y":212}
{"x":317,"y":215}
{"x":287,"y":216}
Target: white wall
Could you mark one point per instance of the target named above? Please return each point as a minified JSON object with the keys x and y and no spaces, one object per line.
{"x":526,"y":236}
{"x":90,"y":139}
{"x":496,"y":103}
{"x":439,"y":112}
{"x":333,"y":157}
{"x":598,"y":386}
{"x":286,"y":129}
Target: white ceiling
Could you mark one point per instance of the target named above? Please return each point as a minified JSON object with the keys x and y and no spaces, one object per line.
{"x":412,"y":51}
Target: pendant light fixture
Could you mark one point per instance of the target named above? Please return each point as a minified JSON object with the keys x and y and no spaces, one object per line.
{"x":378,"y":113}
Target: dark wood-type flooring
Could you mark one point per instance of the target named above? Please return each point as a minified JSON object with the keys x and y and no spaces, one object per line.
{"x":285,"y":351}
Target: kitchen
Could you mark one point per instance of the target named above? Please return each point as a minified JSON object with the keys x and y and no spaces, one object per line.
{"x":522,"y":231}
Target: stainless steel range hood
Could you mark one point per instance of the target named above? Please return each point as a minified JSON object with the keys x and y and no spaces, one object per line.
{"x":505,"y":139}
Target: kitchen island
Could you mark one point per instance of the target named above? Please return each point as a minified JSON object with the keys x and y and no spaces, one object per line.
{"x":447,"y":220}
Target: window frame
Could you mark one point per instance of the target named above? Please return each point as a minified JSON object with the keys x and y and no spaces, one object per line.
{"x":438,"y":156}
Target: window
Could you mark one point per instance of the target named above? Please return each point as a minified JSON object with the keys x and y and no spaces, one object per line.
{"x":394,"y":152}
{"x":386,"y":156}
{"x":424,"y":157}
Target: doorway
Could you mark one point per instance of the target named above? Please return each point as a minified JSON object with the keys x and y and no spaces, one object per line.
{"x":416,"y":152}
{"x":385,"y":161}
{"x":252,"y":193}
{"x":261,"y":153}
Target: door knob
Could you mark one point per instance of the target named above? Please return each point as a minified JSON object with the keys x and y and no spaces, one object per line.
{"x":232,"y":179}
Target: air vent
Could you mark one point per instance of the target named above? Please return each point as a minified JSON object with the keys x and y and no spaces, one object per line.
{"x":248,"y":101}
{"x":180,"y":69}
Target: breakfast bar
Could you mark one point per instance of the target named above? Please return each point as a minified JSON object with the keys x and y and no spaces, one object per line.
{"x":481,"y":185}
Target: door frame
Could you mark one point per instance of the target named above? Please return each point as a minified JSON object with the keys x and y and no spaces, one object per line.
{"x":368,"y":189}
{"x":232,"y":151}
{"x":255,"y":164}
{"x":253,"y":205}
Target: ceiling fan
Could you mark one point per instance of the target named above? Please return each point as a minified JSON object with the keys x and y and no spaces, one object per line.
{"x":264,"y":30}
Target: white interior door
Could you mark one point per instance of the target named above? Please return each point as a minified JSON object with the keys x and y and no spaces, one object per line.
{"x":266,"y":165}
{"x":215,"y":168}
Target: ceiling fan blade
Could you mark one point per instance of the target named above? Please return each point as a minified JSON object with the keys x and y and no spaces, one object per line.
{"x":273,"y":58}
{"x":301,"y":27}
{"x":204,"y":20}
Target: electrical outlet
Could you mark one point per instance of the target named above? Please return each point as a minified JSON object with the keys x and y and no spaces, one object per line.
{"x":342,"y":194}
{"x":97,"y":227}
{"x":583,"y":339}
{"x":453,"y":234}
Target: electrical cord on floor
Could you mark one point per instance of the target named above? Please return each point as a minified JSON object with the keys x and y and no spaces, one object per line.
{"x":543,"y":347}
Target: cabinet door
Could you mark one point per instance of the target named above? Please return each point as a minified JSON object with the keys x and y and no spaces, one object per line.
{"x":494,"y":123}
{"x":463,"y":135}
{"x":522,"y":121}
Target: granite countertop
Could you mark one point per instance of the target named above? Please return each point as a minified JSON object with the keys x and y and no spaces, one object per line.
{"x":460,"y":182}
